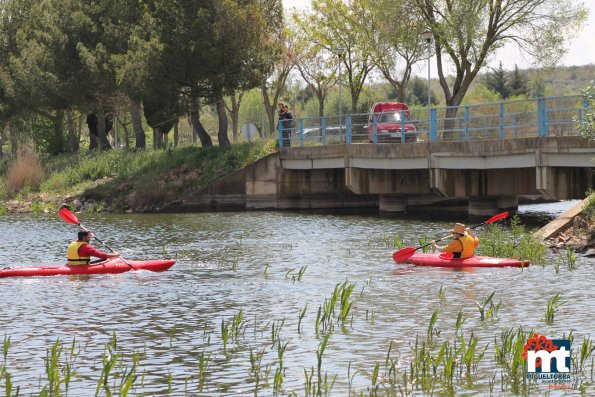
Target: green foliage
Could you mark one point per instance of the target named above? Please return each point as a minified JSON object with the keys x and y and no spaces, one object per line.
{"x":587,"y":123}
{"x":518,"y":83}
{"x":589,"y":206}
{"x":151,"y":176}
{"x":512,"y":242}
{"x":497,"y":82}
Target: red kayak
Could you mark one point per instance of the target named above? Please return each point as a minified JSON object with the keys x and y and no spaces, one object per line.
{"x":446,"y":260}
{"x":109,"y":266}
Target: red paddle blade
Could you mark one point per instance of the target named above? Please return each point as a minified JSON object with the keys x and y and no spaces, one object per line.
{"x":403,"y":254}
{"x":497,"y":218}
{"x":68,"y":216}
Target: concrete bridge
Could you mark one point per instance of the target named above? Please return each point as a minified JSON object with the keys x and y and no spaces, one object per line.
{"x":482,"y":176}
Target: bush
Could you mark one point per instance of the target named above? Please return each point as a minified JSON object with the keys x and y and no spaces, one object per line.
{"x":24,"y":173}
{"x":511,"y":242}
{"x":589,"y":207}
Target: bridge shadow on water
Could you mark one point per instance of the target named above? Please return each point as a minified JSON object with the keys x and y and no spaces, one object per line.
{"x":531,"y":215}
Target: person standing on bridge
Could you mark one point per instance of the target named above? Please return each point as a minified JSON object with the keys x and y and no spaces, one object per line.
{"x":463,"y":244}
{"x":286,"y":124}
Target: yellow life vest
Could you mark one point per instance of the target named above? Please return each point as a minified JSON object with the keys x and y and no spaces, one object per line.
{"x":72,"y":254}
{"x":463,"y":247}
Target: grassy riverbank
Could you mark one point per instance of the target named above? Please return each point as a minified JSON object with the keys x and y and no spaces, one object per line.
{"x":117,"y":180}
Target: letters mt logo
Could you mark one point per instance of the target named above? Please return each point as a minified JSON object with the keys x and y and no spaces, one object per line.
{"x":545,"y":355}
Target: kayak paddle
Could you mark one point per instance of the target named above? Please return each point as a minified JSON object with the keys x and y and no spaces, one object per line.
{"x":402,"y":254}
{"x":66,"y":214}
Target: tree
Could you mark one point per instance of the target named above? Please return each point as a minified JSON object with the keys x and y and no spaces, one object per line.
{"x":393,"y":32}
{"x":335,"y":26}
{"x":419,"y":93}
{"x":317,"y":67}
{"x":518,"y":83}
{"x":587,"y":123}
{"x":467,"y":32}
{"x":497,"y":82}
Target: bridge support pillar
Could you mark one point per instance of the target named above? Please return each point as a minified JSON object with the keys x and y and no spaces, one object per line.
{"x":508,"y":204}
{"x":483,"y":206}
{"x":392,"y":204}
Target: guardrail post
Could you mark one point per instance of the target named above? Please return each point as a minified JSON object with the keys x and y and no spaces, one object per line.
{"x":466,"y":123}
{"x":280,"y":127}
{"x":302,"y":132}
{"x":348,"y":129}
{"x":374,"y":128}
{"x":432,"y":130}
{"x":402,"y":126}
{"x":323,"y":127}
{"x":541,"y":117}
{"x":501,"y":120}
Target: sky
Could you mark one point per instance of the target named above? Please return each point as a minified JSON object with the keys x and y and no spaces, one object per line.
{"x":581,"y":50}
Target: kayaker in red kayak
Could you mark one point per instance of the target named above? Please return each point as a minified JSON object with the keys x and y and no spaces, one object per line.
{"x":463,"y":244}
{"x":79,"y":252}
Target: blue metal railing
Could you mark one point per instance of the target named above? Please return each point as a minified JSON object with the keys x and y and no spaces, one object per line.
{"x":541,"y":117}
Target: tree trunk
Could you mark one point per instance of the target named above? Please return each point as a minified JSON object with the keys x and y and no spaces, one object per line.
{"x":93,"y":133}
{"x":1,"y":143}
{"x":137,"y":125}
{"x":354,"y":99}
{"x":234,"y":113}
{"x":57,"y":144}
{"x":320,"y":96}
{"x":176,"y":133}
{"x":126,"y":136}
{"x":101,"y":126}
{"x":222,"y":116}
{"x":197,"y":127}
{"x":72,"y":135}
{"x":157,"y":138}
{"x":14,"y":142}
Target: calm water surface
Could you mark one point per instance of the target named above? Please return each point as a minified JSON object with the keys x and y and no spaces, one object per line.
{"x":229,"y":262}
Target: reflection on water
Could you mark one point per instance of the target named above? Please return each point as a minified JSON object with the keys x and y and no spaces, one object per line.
{"x":229,"y":262}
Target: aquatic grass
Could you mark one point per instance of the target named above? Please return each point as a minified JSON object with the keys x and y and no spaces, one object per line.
{"x":224,"y":333}
{"x":301,"y":317}
{"x":266,"y":270}
{"x":256,"y":356}
{"x":459,"y":323}
{"x":346,"y":301}
{"x":585,"y":351}
{"x":203,"y":366}
{"x":552,"y":305}
{"x":398,"y":242}
{"x":423,"y":240}
{"x":276,"y":327}
{"x":486,"y":308}
{"x":508,"y":350}
{"x":431,"y":331}
{"x":295,"y":277}
{"x":570,"y":258}
{"x":279,"y":372}
{"x":442,"y":293}
{"x":109,"y":361}
{"x":323,"y":385}
{"x":4,"y":374}
{"x":234,"y":263}
{"x":370,"y":315}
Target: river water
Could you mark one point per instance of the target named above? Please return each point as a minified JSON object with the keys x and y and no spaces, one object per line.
{"x":249,"y":262}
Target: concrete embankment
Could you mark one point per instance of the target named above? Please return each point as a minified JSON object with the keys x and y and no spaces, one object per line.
{"x":562,"y":222}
